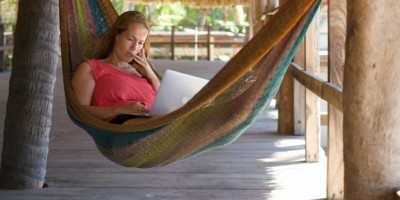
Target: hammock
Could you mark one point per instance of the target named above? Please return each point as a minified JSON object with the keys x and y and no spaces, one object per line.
{"x":215,"y":116}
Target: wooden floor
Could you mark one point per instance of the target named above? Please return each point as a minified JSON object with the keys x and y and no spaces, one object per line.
{"x":259,"y":165}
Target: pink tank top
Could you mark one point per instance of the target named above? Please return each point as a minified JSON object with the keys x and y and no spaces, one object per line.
{"x":114,"y":87}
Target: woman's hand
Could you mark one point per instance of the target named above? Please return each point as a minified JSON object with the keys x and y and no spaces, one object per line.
{"x":144,"y":68}
{"x":142,"y":65}
{"x":134,"y":107}
{"x":105,"y":112}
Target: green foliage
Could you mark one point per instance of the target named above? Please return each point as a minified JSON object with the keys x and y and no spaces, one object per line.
{"x":162,"y":17}
{"x":118,"y":5}
{"x":192,"y":18}
{"x":8,"y":10}
{"x":232,"y":19}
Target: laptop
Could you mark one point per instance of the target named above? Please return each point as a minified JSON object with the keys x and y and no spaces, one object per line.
{"x":175,"y":90}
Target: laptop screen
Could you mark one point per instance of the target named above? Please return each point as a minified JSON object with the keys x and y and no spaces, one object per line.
{"x":175,"y":90}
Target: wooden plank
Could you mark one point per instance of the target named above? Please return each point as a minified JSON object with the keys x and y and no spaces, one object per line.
{"x":263,"y":156}
{"x":180,"y":167}
{"x":157,"y":180}
{"x":325,"y":90}
{"x":100,"y":193}
{"x":261,"y":164}
{"x":336,"y":58}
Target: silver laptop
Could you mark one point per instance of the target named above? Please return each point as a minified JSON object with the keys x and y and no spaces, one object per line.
{"x":175,"y":90}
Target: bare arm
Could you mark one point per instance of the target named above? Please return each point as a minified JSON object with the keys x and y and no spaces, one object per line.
{"x":83,"y":84}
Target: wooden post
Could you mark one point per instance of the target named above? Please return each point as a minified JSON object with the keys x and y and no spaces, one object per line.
{"x":299,"y":92}
{"x":208,"y":43}
{"x":312,"y":121}
{"x":336,"y":44}
{"x":173,"y":43}
{"x":301,"y":117}
{"x":286,"y":103}
{"x":212,"y":48}
{"x":371,"y":96}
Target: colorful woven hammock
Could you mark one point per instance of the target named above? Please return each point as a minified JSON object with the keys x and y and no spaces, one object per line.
{"x":216,"y":116}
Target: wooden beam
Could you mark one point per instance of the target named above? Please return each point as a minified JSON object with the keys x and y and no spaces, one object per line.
{"x":336,"y":45}
{"x":325,"y":90}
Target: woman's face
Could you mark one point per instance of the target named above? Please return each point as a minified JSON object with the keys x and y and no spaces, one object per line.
{"x":130,"y":42}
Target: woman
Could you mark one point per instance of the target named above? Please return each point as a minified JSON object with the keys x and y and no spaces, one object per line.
{"x":109,"y":86}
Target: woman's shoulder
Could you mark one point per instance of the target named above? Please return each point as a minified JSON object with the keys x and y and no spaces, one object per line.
{"x":93,"y":61}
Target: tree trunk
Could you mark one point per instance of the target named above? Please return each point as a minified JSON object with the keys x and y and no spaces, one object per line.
{"x":371,"y":96}
{"x":30,"y":101}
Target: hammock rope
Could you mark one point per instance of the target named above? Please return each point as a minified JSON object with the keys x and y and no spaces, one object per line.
{"x":216,"y":116}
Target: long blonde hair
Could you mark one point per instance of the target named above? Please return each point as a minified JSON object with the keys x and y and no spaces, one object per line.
{"x":119,"y":26}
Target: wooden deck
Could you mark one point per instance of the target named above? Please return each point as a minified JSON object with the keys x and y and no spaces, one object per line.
{"x":259,"y":165}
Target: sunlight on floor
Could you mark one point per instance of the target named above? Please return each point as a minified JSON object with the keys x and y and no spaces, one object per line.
{"x":290,"y":143}
{"x":309,"y":184}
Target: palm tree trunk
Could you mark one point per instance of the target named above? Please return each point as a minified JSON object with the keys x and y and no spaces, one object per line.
{"x":371,"y":96}
{"x":30,"y":102}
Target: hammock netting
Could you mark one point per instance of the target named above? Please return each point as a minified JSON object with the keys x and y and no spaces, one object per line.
{"x":215,"y":116}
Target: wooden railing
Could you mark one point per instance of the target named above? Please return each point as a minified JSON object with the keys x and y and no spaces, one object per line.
{"x":323,"y":89}
{"x":200,"y":43}
{"x":333,"y":95}
{"x":299,"y":93}
{"x":206,"y":43}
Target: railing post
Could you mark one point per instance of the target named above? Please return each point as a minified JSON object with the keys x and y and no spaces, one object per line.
{"x":336,"y":44}
{"x":298,"y":109}
{"x":299,"y":92}
{"x":208,"y":43}
{"x":312,"y":108}
{"x":285,"y":102}
{"x":173,"y":43}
